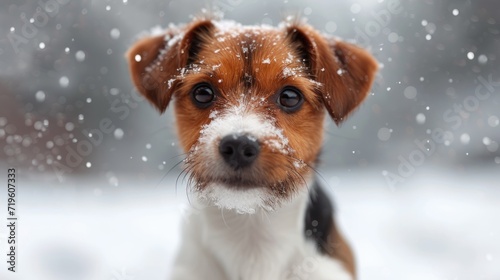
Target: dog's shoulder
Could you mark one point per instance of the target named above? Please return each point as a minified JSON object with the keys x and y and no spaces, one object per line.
{"x":319,"y":218}
{"x":320,"y":227}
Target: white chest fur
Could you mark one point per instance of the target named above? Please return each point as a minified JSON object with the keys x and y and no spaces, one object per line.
{"x":222,"y":244}
{"x":255,"y":246}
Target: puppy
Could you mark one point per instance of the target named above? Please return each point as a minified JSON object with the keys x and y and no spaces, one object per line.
{"x":250,"y":104}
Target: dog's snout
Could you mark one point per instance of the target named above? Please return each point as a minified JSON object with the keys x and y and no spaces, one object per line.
{"x":239,"y":150}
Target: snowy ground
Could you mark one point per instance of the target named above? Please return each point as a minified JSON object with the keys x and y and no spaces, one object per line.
{"x":443,"y":224}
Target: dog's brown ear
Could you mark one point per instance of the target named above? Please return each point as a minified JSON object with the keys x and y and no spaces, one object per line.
{"x":345,"y":71}
{"x":157,"y":63}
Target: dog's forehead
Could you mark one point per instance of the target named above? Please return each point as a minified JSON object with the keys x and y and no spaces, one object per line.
{"x":248,"y":38}
{"x":253,"y":56}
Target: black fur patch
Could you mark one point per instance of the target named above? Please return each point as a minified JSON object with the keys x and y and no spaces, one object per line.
{"x":319,"y":217}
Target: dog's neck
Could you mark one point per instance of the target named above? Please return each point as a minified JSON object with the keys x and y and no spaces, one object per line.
{"x":266,"y":238}
{"x":289,"y":214}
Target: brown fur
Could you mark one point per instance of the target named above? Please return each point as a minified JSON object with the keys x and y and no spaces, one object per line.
{"x":338,"y":248}
{"x":236,"y":66}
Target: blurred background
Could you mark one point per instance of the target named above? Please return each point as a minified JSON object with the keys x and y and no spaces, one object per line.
{"x":415,"y":172}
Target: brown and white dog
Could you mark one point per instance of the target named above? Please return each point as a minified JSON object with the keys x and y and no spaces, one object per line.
{"x":250,"y":106}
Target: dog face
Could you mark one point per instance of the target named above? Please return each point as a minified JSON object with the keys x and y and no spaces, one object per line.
{"x":250,"y":102}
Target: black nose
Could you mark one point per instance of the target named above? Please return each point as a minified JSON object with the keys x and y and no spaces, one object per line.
{"x":239,"y":150}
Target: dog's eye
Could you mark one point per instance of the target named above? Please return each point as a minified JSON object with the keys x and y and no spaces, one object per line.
{"x":203,"y":95}
{"x":290,"y":99}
